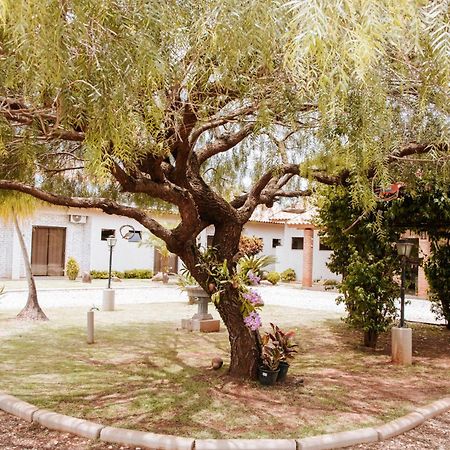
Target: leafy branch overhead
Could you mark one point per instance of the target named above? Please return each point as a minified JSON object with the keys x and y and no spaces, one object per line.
{"x":213,"y":108}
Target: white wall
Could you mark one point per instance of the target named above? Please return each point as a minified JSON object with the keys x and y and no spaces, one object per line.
{"x":320,"y":269}
{"x":6,"y":239}
{"x":126,"y":255}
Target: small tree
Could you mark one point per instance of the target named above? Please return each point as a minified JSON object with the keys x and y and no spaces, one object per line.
{"x":363,"y":253}
{"x":13,"y":206}
{"x":437,"y":270}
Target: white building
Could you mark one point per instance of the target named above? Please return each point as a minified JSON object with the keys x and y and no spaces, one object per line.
{"x":54,"y":234}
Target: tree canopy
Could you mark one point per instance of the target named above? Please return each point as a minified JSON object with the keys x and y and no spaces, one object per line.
{"x":217,"y":106}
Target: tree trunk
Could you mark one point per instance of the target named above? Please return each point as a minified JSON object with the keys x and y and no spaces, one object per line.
{"x":244,"y":343}
{"x":370,"y":338}
{"x":32,"y":310}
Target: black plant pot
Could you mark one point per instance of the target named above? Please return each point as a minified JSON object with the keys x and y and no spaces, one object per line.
{"x":267,"y":377}
{"x":283,"y":370}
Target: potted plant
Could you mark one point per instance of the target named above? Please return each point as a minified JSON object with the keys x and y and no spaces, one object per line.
{"x":270,"y":358}
{"x":284,"y":341}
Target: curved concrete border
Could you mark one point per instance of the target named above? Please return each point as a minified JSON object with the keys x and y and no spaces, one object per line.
{"x":92,"y":430}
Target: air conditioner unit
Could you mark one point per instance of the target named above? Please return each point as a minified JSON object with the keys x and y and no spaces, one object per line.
{"x":75,"y":218}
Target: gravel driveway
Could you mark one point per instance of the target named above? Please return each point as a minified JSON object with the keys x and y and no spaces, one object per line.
{"x":288,"y":295}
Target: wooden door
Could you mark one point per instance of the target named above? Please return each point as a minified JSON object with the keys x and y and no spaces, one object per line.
{"x":158,"y":262}
{"x":48,"y":251}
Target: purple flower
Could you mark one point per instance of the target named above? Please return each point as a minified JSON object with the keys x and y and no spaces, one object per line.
{"x":254,"y":279}
{"x":253,"y":321}
{"x":253,"y":297}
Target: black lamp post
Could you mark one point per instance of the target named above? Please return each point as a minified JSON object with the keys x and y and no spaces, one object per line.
{"x":404,"y":248}
{"x":111,"y":241}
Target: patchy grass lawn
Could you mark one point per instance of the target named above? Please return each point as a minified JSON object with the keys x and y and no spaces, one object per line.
{"x":143,"y":372}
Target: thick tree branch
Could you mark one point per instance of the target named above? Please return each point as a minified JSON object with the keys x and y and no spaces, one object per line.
{"x":224,"y":143}
{"x":218,"y":121}
{"x":16,"y":111}
{"x":106,"y":205}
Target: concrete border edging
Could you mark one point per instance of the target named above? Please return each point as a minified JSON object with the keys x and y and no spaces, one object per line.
{"x":60,"y":422}
{"x":399,"y":426}
{"x":245,"y":444}
{"x":144,"y":439}
{"x":92,"y":430}
{"x":338,"y":440}
{"x":16,"y":407}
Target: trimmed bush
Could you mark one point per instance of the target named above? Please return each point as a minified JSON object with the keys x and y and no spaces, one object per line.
{"x":138,"y":273}
{"x":273,"y":277}
{"x":288,"y":275}
{"x":72,"y":269}
{"x":103,"y":274}
{"x":130,"y":274}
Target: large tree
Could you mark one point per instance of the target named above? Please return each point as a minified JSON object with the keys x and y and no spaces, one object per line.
{"x":215,"y":107}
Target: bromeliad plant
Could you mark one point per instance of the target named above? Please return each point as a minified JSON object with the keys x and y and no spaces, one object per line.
{"x":284,"y":341}
{"x":221,"y":278}
{"x":277,"y":346}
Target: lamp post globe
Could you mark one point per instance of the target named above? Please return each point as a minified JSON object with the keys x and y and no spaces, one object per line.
{"x":111,"y":241}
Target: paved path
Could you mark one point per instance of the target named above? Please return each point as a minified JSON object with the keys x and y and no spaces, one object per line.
{"x":293,"y":296}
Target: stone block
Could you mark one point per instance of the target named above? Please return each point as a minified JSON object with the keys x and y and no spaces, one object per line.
{"x":16,"y":407}
{"x":435,"y":408}
{"x":398,"y":426}
{"x":245,"y":444}
{"x":206,"y":326}
{"x":338,"y":440}
{"x":146,"y":440}
{"x":68,"y":424}
{"x":186,"y":324}
{"x":86,"y":277}
{"x":402,"y":346}
{"x":108,"y":300}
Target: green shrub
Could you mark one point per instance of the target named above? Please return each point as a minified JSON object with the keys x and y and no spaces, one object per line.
{"x":72,"y":269}
{"x":288,"y":275}
{"x":138,"y":273}
{"x":103,"y":274}
{"x":331,"y":284}
{"x":273,"y":277}
{"x":255,"y":264}
{"x":134,"y":273}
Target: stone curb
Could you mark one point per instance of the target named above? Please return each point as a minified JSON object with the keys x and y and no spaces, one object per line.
{"x":245,"y":444}
{"x":16,"y":407}
{"x":338,"y":440}
{"x":435,"y":408}
{"x":399,"y":426}
{"x":68,"y":424}
{"x":147,"y":440}
{"x":92,"y":430}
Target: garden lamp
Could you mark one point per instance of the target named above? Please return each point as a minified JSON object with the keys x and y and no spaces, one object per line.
{"x":111,"y":241}
{"x":404,"y":248}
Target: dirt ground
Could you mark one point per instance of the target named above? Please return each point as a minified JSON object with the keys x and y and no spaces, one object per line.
{"x":17,"y":434}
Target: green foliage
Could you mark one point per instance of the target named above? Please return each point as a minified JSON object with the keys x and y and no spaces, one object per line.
{"x":72,"y":269}
{"x":365,"y":257}
{"x":254,"y":264}
{"x":288,"y":275}
{"x":369,"y":293}
{"x":437,"y":270}
{"x":103,"y":274}
{"x":142,"y":274}
{"x":273,"y":277}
